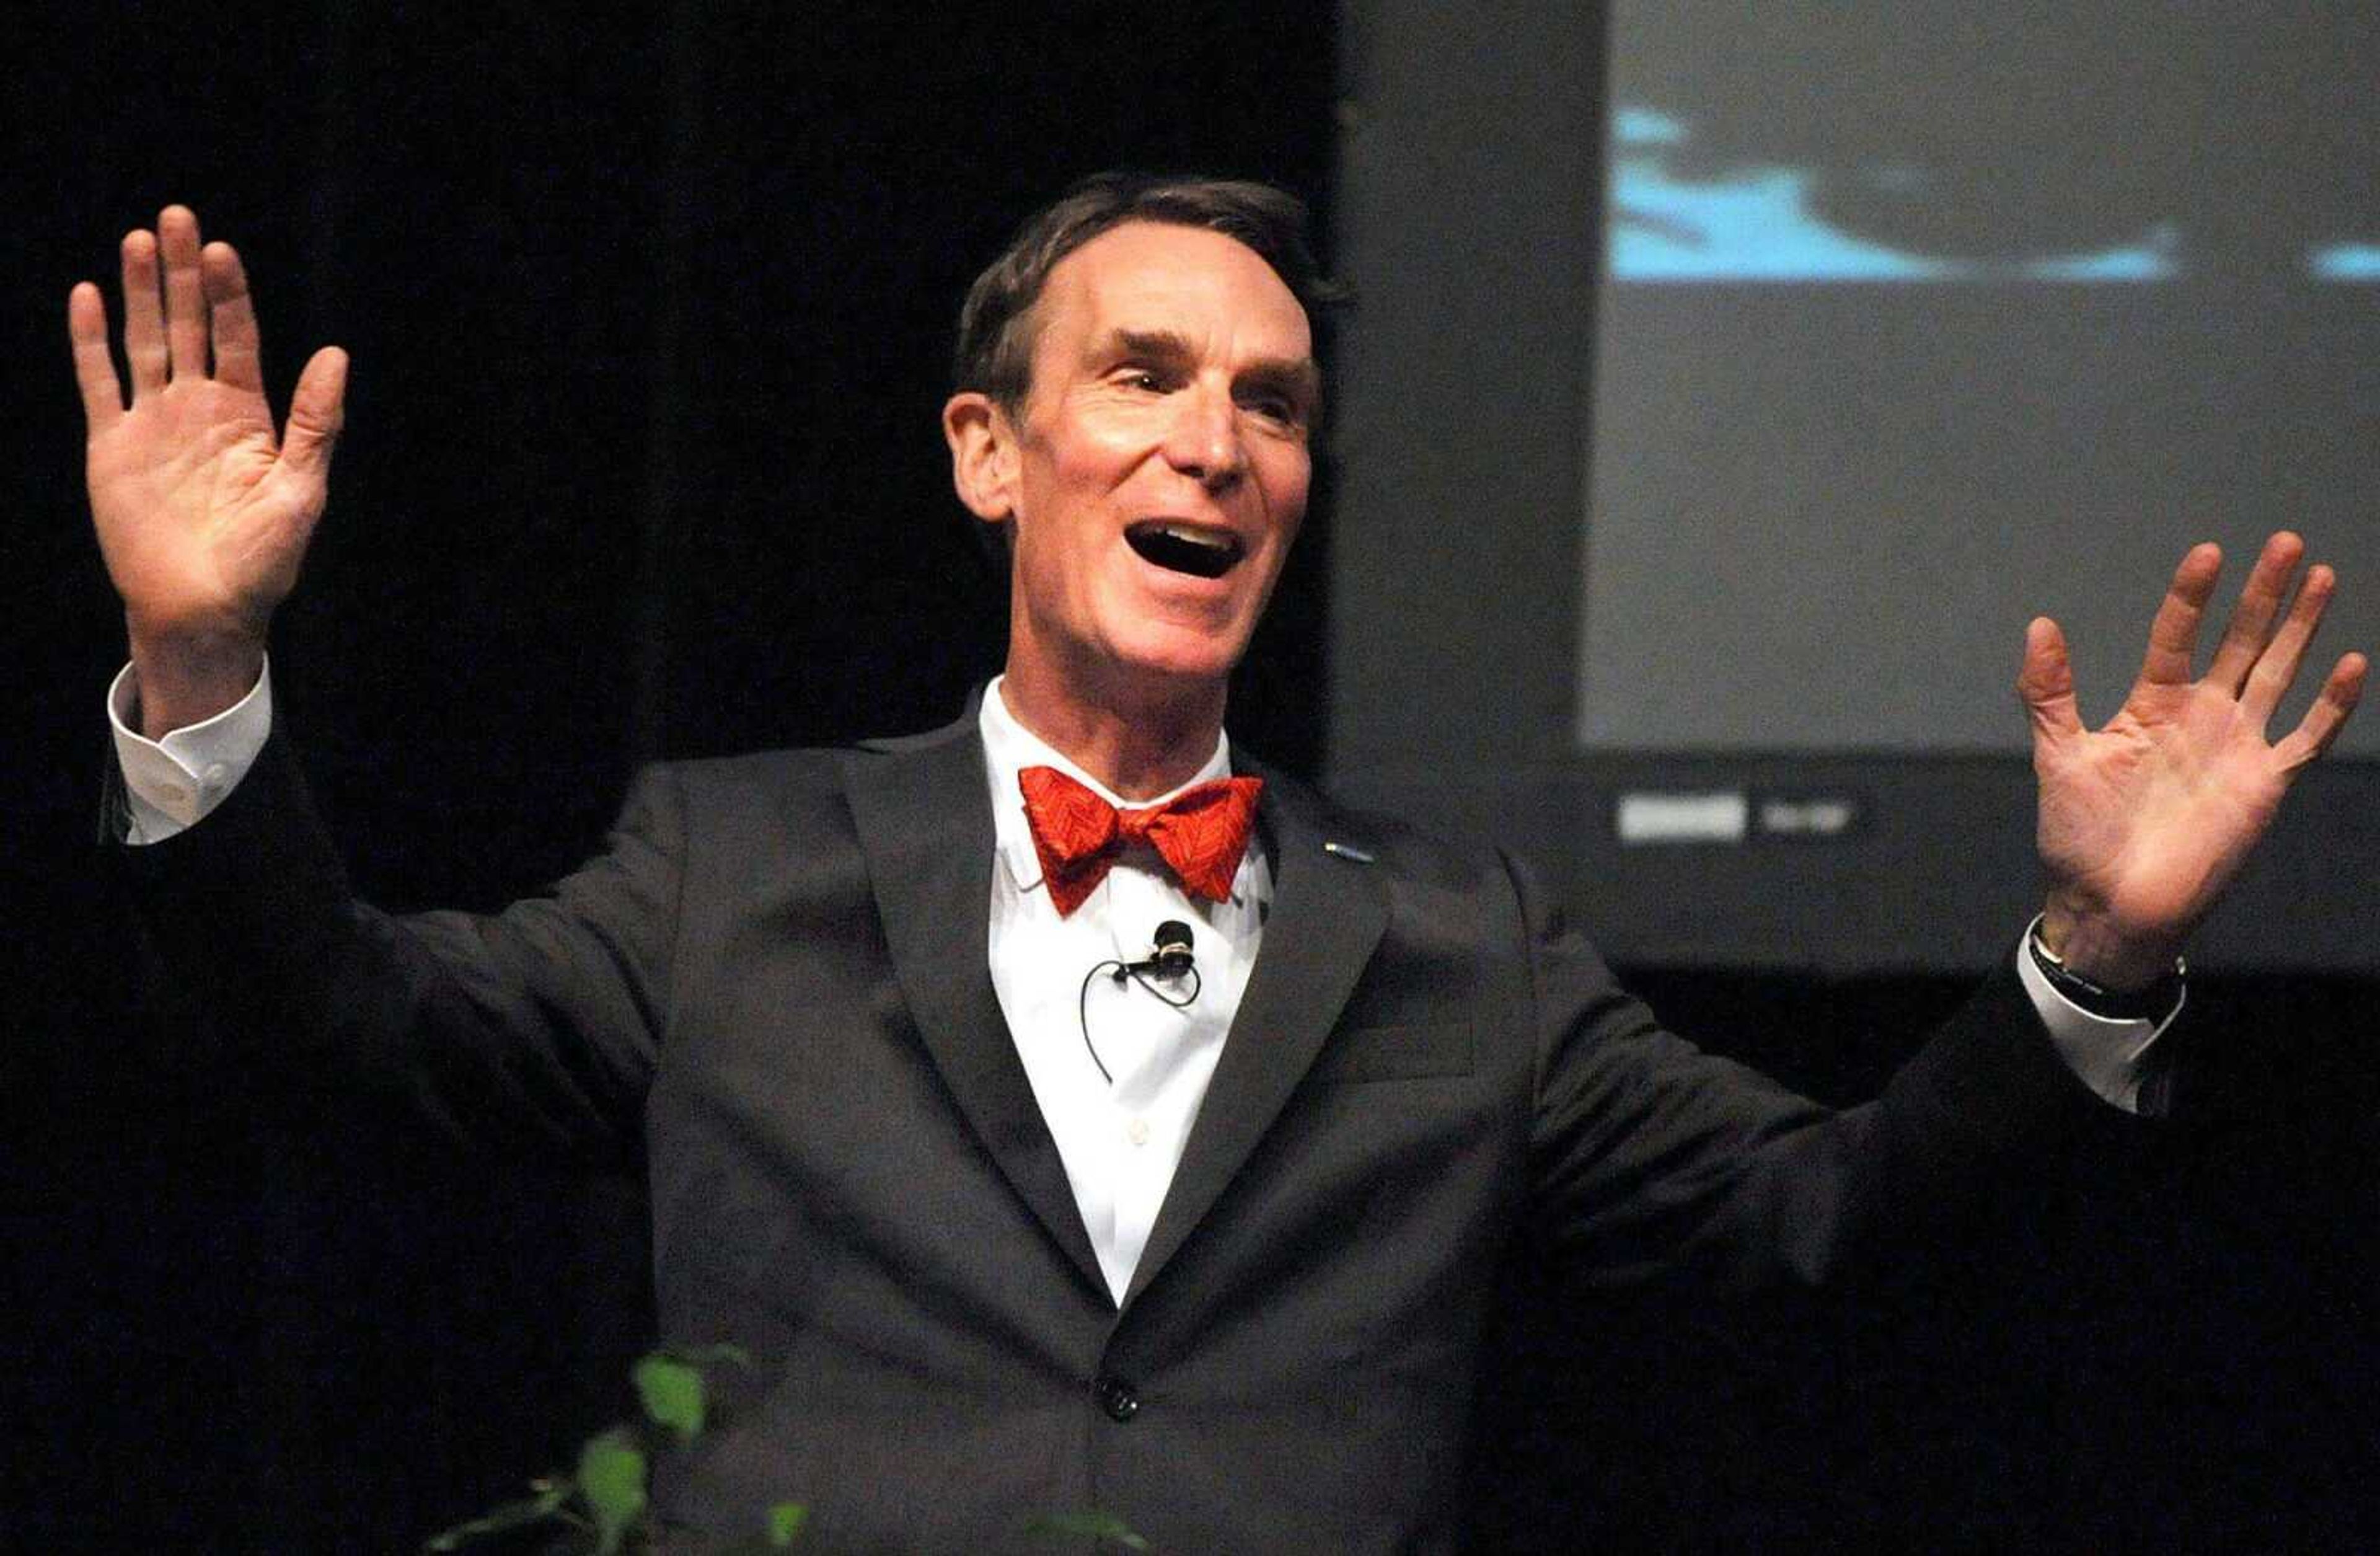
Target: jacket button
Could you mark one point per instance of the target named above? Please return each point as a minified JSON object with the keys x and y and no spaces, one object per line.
{"x":1115,"y":1397}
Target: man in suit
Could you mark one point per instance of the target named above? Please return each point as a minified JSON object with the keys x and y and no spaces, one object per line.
{"x":1013,"y":1214}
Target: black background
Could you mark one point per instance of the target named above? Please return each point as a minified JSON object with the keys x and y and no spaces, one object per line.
{"x":650,"y":323}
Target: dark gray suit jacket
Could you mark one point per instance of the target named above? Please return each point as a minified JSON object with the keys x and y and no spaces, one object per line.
{"x":773,"y":987}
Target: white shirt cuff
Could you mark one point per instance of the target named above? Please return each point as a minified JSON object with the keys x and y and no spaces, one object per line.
{"x":171,"y":784}
{"x":2107,"y":1054}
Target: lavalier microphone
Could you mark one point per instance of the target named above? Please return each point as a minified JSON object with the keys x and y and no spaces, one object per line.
{"x":1169,"y":958}
{"x":1169,"y":954}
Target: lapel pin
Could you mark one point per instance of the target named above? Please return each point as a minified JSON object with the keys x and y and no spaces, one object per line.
{"x":1347,"y":851}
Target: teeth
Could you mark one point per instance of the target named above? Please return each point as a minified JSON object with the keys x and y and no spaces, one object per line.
{"x":1205,"y":537}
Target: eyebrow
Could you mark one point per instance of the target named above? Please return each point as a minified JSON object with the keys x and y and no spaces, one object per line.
{"x":1298,"y":375}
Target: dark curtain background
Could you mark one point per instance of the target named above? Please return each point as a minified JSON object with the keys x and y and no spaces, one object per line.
{"x":650,"y":312}
{"x":649,"y":320}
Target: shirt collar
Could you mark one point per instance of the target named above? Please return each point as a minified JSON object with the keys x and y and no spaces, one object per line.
{"x":1009,"y":747}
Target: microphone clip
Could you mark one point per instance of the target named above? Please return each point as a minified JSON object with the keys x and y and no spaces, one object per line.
{"x":1169,"y":954}
{"x":1169,"y":958}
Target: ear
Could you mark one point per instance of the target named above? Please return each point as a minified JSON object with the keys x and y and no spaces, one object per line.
{"x":983,"y":456}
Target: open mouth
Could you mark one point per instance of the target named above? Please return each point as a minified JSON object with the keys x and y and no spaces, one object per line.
{"x":1179,"y":548}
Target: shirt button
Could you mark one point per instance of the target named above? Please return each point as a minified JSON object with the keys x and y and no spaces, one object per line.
{"x":1137,"y":1131}
{"x":1116,"y":1397}
{"x":217,"y":773}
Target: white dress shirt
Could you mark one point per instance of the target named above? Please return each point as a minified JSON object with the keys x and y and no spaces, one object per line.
{"x":172,"y":783}
{"x":1120,"y":1139}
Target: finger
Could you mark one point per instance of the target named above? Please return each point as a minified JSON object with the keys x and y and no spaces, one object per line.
{"x":2259,"y":608}
{"x":144,"y":317}
{"x":102,"y":397}
{"x":2046,"y":684}
{"x":317,"y":411}
{"x":2327,"y":716}
{"x":185,"y":301}
{"x":2277,"y":668}
{"x":2173,"y":636}
{"x":238,"y":359}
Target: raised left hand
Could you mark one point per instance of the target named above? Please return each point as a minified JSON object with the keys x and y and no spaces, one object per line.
{"x":2144,"y":821}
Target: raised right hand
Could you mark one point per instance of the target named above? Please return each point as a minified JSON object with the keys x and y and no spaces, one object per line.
{"x":204,"y":514}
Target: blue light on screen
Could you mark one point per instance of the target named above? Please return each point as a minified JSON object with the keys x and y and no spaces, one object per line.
{"x":1754,"y":227}
{"x":1756,"y":224}
{"x":2348,"y":262}
{"x":2151,"y":260}
{"x":1644,"y":127}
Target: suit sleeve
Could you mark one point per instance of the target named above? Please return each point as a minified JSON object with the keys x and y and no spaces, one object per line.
{"x":535,"y":1028}
{"x":1650,"y":1157}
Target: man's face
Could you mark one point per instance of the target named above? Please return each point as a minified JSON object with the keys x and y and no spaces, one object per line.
{"x":1159,"y":465}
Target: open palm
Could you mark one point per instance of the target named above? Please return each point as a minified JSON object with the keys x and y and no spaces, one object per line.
{"x":203,"y":513}
{"x":2144,"y":821}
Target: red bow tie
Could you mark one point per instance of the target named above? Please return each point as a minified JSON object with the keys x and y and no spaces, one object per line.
{"x":1201,"y":832}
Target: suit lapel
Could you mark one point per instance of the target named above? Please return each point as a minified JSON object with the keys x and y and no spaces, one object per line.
{"x":1328,"y":914}
{"x":923,"y":810}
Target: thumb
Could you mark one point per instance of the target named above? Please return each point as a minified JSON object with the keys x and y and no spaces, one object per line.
{"x":317,"y":411}
{"x":2046,"y":684}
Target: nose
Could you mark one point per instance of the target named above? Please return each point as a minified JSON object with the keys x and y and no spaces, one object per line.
{"x":1204,"y":441}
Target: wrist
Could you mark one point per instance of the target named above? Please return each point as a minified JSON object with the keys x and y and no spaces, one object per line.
{"x":185,"y":678}
{"x":2084,"y":945}
{"x":2156,"y":1000}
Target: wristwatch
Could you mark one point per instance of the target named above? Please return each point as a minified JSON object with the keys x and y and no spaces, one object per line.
{"x":2153,"y":1004}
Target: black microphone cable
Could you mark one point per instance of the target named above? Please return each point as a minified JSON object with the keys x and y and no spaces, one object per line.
{"x":1169,"y":956}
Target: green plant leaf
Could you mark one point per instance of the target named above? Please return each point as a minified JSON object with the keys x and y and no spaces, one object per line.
{"x":673,"y":1394}
{"x":611,"y":1478}
{"x":550,"y":1495}
{"x":1098,"y":1526}
{"x":785,"y":1521}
